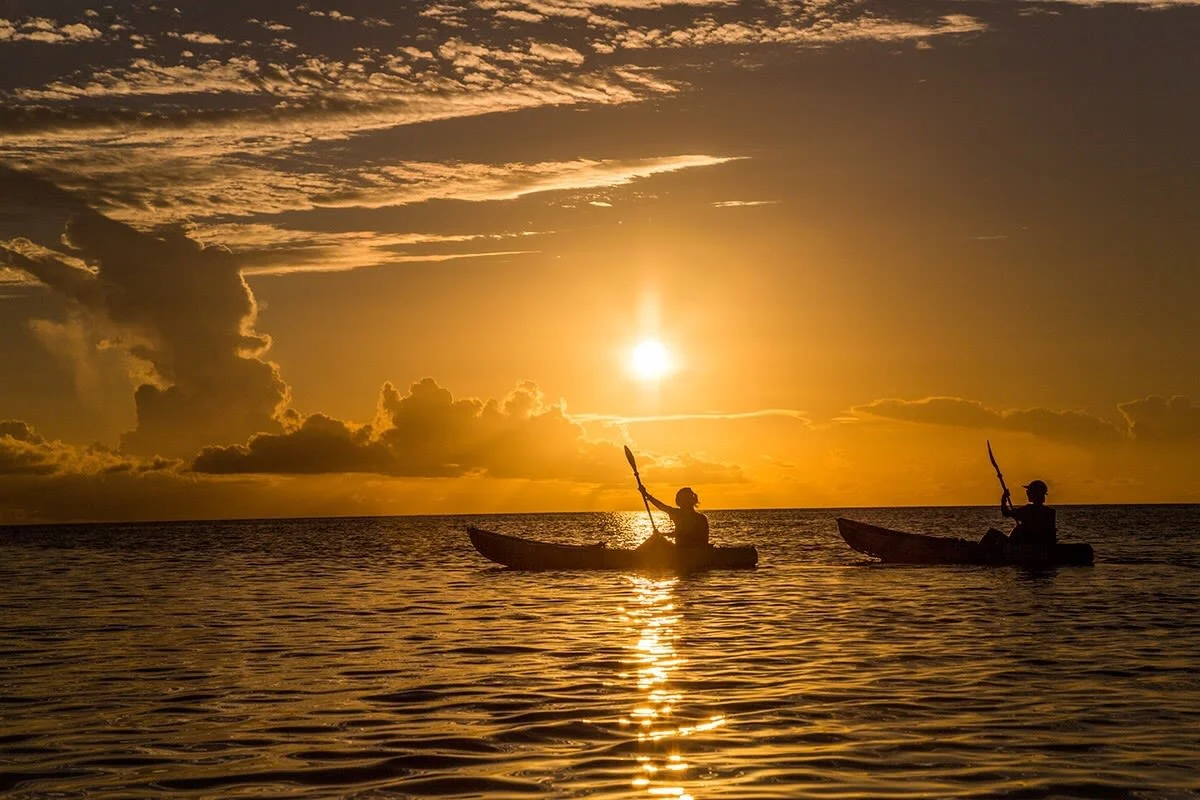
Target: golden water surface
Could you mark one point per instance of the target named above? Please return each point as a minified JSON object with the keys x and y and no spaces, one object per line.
{"x":385,"y":658}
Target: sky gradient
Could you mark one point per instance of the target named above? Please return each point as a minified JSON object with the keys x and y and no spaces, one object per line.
{"x":276,"y":259}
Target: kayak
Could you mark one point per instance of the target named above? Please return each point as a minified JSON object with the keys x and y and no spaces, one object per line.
{"x":914,"y":548}
{"x":518,"y":553}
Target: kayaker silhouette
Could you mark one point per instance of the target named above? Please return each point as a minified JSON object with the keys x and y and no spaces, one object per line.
{"x":691,"y":527}
{"x":1036,"y":526}
{"x":1036,"y":529}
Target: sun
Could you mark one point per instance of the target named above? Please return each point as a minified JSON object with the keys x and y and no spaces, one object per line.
{"x":650,"y":360}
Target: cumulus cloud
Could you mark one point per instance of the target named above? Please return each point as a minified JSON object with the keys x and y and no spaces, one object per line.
{"x":429,"y":433}
{"x":23,"y":452}
{"x":1166,"y":420}
{"x":1069,"y":426}
{"x":182,"y":310}
{"x":417,"y":442}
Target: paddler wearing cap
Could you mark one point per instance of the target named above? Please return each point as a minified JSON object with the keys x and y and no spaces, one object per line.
{"x":1036,"y":522}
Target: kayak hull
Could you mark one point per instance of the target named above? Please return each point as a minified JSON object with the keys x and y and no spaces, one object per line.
{"x":526,"y":554}
{"x":899,"y":547}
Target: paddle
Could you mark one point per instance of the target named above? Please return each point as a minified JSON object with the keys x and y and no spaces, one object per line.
{"x":633,"y":463}
{"x":997,"y":467}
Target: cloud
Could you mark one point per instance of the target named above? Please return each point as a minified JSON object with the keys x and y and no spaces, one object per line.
{"x":430,"y":450}
{"x":1158,"y":419}
{"x":548,"y":51}
{"x":46,"y":31}
{"x":743,"y":203}
{"x":11,"y":276}
{"x":23,"y":452}
{"x":182,"y":310}
{"x":154,"y":138}
{"x":711,"y":32}
{"x":520,"y":16}
{"x":1068,"y":426}
{"x":199,"y":37}
{"x":70,"y":341}
{"x":258,"y":110}
{"x":429,"y":433}
{"x":199,"y":190}
{"x":271,"y":250}
{"x":270,"y":25}
{"x":1147,"y":4}
{"x":416,"y":182}
{"x":160,"y":189}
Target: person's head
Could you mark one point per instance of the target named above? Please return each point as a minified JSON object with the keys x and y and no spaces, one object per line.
{"x":1036,"y":491}
{"x":686,"y":498}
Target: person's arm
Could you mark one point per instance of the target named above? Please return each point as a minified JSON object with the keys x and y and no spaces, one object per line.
{"x":654,"y":501}
{"x":1006,"y":504}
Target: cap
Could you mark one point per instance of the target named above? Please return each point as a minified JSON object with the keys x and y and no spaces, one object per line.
{"x":1037,"y":486}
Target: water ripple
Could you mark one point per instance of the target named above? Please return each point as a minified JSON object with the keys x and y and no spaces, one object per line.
{"x":328,"y":658}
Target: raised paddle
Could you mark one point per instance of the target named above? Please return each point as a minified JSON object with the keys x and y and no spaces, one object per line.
{"x":994,"y":464}
{"x":633,"y":463}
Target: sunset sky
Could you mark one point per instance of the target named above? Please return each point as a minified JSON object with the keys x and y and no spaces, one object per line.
{"x":367,"y":257}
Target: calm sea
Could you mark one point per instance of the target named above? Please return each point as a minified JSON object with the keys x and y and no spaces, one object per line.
{"x":383,"y":657}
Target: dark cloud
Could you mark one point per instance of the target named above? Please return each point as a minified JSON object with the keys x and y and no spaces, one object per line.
{"x":18,"y":431}
{"x":319,"y":445}
{"x":429,"y":433}
{"x":416,"y":438}
{"x":24,"y":452}
{"x":1159,"y":419}
{"x":1069,"y":426}
{"x":182,"y":310}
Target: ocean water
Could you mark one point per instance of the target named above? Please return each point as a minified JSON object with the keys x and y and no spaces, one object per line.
{"x":383,"y":657}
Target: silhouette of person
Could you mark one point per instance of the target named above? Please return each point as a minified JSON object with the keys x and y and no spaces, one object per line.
{"x":1036,"y":526}
{"x":691,"y":527}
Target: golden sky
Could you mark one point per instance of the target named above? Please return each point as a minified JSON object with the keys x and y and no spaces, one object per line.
{"x":374,"y":257}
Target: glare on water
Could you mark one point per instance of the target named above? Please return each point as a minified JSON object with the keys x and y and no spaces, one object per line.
{"x":384,"y":657}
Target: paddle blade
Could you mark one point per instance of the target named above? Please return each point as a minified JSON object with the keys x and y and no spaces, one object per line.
{"x":995,"y":466}
{"x":629,"y":457}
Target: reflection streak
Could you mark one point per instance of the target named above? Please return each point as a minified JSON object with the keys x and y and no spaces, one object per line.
{"x":653,"y":660}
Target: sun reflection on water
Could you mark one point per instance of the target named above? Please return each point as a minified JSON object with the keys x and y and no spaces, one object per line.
{"x":653,"y":660}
